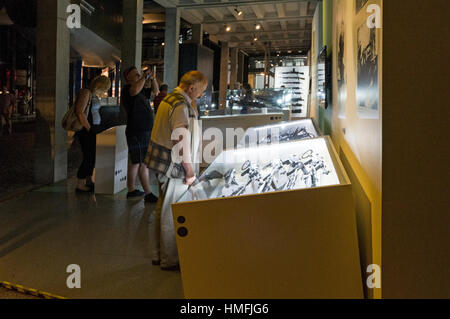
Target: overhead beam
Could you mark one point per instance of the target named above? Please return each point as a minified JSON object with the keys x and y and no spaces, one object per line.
{"x":275,"y":49}
{"x":218,"y":4}
{"x":263,"y":32}
{"x":269,"y":39}
{"x":256,"y":19}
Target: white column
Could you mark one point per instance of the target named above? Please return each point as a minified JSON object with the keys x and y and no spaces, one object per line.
{"x":197,"y":33}
{"x":132,"y":33}
{"x":171,"y":48}
{"x":52,"y":99}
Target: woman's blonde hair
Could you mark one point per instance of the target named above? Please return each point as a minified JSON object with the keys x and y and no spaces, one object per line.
{"x":100,"y":83}
{"x":192,"y":78}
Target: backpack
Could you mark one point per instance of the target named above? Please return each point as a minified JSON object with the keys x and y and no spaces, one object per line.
{"x":70,"y":121}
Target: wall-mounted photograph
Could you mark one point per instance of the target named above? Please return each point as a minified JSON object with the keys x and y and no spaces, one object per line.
{"x":341,"y":75}
{"x":367,"y":89}
{"x":360,"y":4}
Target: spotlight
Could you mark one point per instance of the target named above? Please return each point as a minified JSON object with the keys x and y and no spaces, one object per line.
{"x":228,"y":28}
{"x":239,"y":12}
{"x":256,"y":38}
{"x":163,"y":44}
{"x":257,"y":26}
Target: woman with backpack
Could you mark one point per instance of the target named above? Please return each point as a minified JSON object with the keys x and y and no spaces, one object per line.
{"x":87,"y":109}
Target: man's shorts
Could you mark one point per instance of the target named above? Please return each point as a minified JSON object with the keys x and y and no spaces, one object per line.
{"x":137,"y":146}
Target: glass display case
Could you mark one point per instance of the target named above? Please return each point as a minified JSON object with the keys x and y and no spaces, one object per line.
{"x":279,"y":133}
{"x":259,"y":101}
{"x":266,"y":168}
{"x":266,"y":206}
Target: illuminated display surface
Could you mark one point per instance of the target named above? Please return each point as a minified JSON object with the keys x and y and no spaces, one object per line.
{"x":266,"y":168}
{"x":283,"y":132}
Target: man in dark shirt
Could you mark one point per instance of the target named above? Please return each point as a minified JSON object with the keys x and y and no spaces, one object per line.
{"x":164,"y":90}
{"x":138,"y":132}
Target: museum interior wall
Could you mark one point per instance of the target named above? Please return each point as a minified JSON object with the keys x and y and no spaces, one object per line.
{"x":416,"y":219}
{"x":381,"y":88}
{"x":355,"y":124}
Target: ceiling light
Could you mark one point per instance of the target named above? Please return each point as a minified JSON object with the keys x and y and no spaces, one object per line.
{"x":258,"y":26}
{"x":239,"y":12}
{"x":228,"y":28}
{"x":163,"y":44}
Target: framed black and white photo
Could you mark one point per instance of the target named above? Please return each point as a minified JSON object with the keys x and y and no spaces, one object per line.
{"x":341,"y":74}
{"x":360,"y":4}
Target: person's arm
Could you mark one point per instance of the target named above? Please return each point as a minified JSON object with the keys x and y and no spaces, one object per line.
{"x":188,"y":167}
{"x":180,"y":120}
{"x":155,"y":86}
{"x":137,"y":86}
{"x":80,"y":107}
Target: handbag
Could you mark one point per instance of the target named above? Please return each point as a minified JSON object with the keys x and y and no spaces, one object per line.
{"x":71,"y":122}
{"x":159,"y":160}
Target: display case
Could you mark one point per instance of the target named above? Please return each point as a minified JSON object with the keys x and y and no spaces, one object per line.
{"x":272,"y":221}
{"x":266,"y":168}
{"x":279,"y":133}
{"x":259,"y":101}
{"x":237,"y":123}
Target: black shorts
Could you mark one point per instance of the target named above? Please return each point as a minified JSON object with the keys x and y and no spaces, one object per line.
{"x":137,"y":146}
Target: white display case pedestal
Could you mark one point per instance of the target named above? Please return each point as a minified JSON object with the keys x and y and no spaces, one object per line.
{"x":111,"y":161}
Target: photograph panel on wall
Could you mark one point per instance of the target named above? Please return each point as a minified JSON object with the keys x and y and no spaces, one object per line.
{"x":341,"y":59}
{"x":359,"y":4}
{"x":367,"y":66}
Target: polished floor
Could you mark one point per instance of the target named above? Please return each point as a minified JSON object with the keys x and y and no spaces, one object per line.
{"x":45,"y":230}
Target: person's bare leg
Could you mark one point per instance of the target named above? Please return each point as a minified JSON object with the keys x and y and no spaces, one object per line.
{"x":81,"y":185}
{"x":131,"y":179}
{"x":144,"y":178}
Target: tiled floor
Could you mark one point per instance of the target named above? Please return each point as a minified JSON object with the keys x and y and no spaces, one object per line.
{"x":44,"y":231}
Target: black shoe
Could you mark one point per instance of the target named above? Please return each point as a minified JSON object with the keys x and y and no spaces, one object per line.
{"x":150,"y":198}
{"x":135,"y":193}
{"x":171,"y":268}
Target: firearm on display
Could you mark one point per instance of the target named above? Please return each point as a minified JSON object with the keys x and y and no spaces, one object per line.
{"x":293,"y":78}
{"x":297,"y":134}
{"x":279,"y":175}
{"x":293,"y":72}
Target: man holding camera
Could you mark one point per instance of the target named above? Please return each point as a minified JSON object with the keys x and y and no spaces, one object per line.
{"x":138,"y":132}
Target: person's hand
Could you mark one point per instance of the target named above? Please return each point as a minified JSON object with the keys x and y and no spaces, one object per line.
{"x":190,"y":179}
{"x":146,"y":72}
